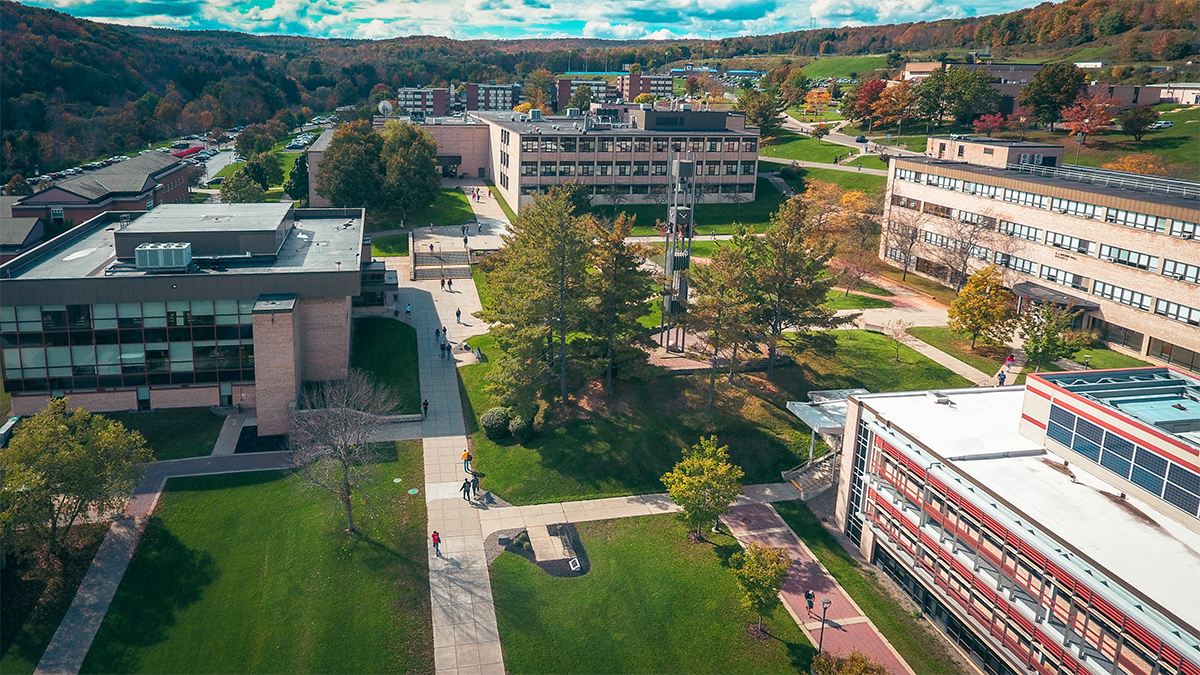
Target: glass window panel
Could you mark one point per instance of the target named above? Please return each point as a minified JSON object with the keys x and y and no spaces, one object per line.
{"x":83,"y":356}
{"x":154,"y":309}
{"x":1114,"y":443}
{"x":1184,"y":500}
{"x":104,"y":311}
{"x":227,"y":319}
{"x":180,"y":306}
{"x":8,"y":314}
{"x":155,"y":322}
{"x":33,"y":357}
{"x":1089,"y":431}
{"x":1147,"y":480}
{"x":129,"y":309}
{"x":245,"y":306}
{"x":1116,"y":464}
{"x":1177,"y":475}
{"x":29,"y":313}
{"x":12,"y":358}
{"x":1087,"y":448}
{"x":133,"y":354}
{"x":58,"y":356}
{"x":1059,"y":433}
{"x":108,"y":354}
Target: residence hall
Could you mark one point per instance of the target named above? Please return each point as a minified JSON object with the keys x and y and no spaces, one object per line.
{"x":187,"y":305}
{"x":1123,"y":247}
{"x":1049,"y":528}
{"x":139,"y":183}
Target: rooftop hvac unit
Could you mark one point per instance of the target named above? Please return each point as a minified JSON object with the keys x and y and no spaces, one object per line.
{"x":535,"y":115}
{"x":163,"y":257}
{"x":685,"y":106}
{"x":572,"y":112}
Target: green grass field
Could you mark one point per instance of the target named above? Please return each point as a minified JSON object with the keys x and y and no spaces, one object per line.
{"x":924,"y":652}
{"x":1104,"y":358}
{"x":836,"y":300}
{"x":850,"y":180}
{"x":389,"y":246}
{"x":843,"y":66}
{"x":652,"y":603}
{"x":250,"y":573}
{"x":508,"y":212}
{"x":626,"y":444}
{"x":176,"y":432}
{"x":450,"y":207}
{"x":34,"y":603}
{"x":788,"y":145}
{"x":724,"y":218}
{"x":387,"y":349}
{"x":285,"y":164}
{"x":801,"y":115}
{"x":869,"y":162}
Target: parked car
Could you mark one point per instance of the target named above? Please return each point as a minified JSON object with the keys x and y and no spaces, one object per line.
{"x":216,"y":181}
{"x":860,"y":139}
{"x":1162,"y":124}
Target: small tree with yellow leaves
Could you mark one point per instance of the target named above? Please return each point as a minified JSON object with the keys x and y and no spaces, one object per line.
{"x":704,"y":484}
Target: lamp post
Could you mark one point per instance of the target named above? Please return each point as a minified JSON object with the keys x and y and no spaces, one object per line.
{"x":825,"y":602}
{"x":1087,"y":361}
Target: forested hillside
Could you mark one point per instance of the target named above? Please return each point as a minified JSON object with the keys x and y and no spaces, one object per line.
{"x":74,"y":90}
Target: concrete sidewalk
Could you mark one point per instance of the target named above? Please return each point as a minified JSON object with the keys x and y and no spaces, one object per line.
{"x":846,"y":627}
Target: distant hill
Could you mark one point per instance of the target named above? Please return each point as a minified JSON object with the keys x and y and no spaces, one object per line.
{"x":74,"y":89}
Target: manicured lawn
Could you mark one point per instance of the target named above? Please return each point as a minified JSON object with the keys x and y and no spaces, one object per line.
{"x":924,"y":652}
{"x":35,"y":602}
{"x":449,"y":208}
{"x":788,"y":145}
{"x":801,"y":115}
{"x":913,"y":143}
{"x":850,"y":180}
{"x":508,"y":212}
{"x":1104,"y":358}
{"x":869,"y":162}
{"x":229,"y":169}
{"x":390,"y":245}
{"x":836,"y":300}
{"x":988,"y":358}
{"x":387,"y":349}
{"x":705,"y":249}
{"x":174,"y":433}
{"x":652,"y":603}
{"x":724,"y":218}
{"x":842,"y":66}
{"x":249,"y":573}
{"x":943,"y":294}
{"x":285,"y":164}
{"x":626,"y":444}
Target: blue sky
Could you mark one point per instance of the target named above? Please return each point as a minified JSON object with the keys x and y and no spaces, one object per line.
{"x":466,"y":19}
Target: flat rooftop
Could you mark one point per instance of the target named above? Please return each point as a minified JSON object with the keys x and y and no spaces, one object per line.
{"x":321,"y":240}
{"x":997,"y":142}
{"x":573,"y":126}
{"x":210,"y":217}
{"x":1163,"y":398}
{"x":1181,"y":193}
{"x":976,"y":436}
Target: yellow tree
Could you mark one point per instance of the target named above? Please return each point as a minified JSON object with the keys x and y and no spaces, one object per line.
{"x":895,"y":104}
{"x":1142,"y":162}
{"x":984,"y":307}
{"x":704,"y":484}
{"x":760,"y":571}
{"x":815,"y":99}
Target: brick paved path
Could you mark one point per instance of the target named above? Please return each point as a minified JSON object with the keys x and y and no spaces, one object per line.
{"x":846,"y":627}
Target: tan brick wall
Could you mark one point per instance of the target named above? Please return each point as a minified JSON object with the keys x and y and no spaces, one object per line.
{"x":276,"y":370}
{"x":244,"y":396}
{"x":103,"y":401}
{"x":324,"y":338}
{"x":190,"y":397}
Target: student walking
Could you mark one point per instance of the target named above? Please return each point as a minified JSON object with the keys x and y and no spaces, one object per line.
{"x":437,"y":334}
{"x":450,"y":285}
{"x":466,"y":461}
{"x":1001,"y":376}
{"x":425,"y":408}
{"x":474,"y":486}
{"x":443,"y":283}
{"x":1008,"y":363}
{"x":464,"y":242}
{"x":809,"y":596}
{"x":408,"y":311}
{"x":466,"y":489}
{"x":458,"y":315}
{"x":437,"y":543}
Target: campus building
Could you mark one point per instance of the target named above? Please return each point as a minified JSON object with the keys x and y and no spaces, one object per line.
{"x":416,"y":100}
{"x":18,"y":235}
{"x":1123,"y":247}
{"x":633,"y":85}
{"x":493,"y":96}
{"x":187,"y":305}
{"x":602,"y":92}
{"x":136,"y":184}
{"x":1051,"y":528}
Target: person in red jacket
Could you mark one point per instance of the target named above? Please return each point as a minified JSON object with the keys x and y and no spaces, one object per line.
{"x":437,"y":542}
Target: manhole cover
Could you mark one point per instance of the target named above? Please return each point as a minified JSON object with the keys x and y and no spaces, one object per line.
{"x":413,"y":491}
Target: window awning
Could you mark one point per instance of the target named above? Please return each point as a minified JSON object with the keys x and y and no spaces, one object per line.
{"x":1042,"y":294}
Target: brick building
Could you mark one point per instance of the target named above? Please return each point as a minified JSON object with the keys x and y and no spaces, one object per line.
{"x":493,"y":96}
{"x":602,"y":91}
{"x":633,"y":85}
{"x":18,"y":235}
{"x":137,"y":184}
{"x":1121,"y":246}
{"x":187,"y":305}
{"x":423,"y":101}
{"x":1051,"y":528}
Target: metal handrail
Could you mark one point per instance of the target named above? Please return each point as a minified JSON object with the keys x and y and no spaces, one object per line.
{"x":1110,"y":178}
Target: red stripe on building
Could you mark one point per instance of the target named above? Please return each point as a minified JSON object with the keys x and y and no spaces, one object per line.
{"x":1191,"y":461}
{"x":1034,"y":421}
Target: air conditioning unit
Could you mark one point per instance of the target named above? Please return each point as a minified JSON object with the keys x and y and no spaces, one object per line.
{"x":163,"y":257}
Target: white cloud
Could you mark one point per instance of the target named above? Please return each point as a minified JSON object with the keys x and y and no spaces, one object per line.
{"x":150,"y":21}
{"x":622,"y":31}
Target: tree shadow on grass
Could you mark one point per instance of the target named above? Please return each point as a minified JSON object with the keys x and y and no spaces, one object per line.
{"x":164,"y":577}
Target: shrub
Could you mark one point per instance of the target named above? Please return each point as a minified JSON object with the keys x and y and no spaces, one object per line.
{"x":520,"y":429}
{"x":495,"y":422}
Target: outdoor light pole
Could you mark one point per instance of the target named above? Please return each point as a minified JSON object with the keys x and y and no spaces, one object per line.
{"x":825,"y":602}
{"x":1087,"y":361}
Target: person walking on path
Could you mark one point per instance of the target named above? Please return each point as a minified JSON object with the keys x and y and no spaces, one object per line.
{"x":450,"y":286}
{"x":408,"y":311}
{"x":1008,"y":363}
{"x":467,"y":461}
{"x":1001,"y":376}
{"x":443,"y":283}
{"x":466,"y":489}
{"x":437,"y":543}
{"x":425,"y":408}
{"x":474,"y":486}
{"x":464,"y":242}
{"x":431,"y":248}
{"x":437,"y":334}
{"x":809,"y":596}
{"x":458,"y":315}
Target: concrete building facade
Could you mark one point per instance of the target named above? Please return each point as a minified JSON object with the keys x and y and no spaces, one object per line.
{"x":1050,"y":528}
{"x":602,"y":91}
{"x":1123,"y":247}
{"x":416,"y":100}
{"x":188,"y":305}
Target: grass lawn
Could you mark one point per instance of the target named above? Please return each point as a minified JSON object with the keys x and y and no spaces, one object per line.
{"x":801,"y":115}
{"x":850,"y":180}
{"x":450,"y":207}
{"x":988,"y":358}
{"x":250,"y":573}
{"x":229,"y":169}
{"x":1104,"y":358}
{"x":789,"y":145}
{"x":391,"y":245}
{"x":943,"y":294}
{"x":913,"y":143}
{"x":705,"y":249}
{"x":508,"y":212}
{"x":285,"y":164}
{"x":387,"y":349}
{"x":836,"y":300}
{"x":843,"y":66}
{"x":869,"y":162}
{"x":631,"y":614}
{"x":924,"y":652}
{"x":34,"y":605}
{"x":626,"y":444}
{"x":175,"y":433}
{"x":724,"y":218}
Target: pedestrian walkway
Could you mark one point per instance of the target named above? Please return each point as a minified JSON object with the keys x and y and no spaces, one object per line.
{"x":846,"y":628}
{"x":821,"y":165}
{"x":71,"y":642}
{"x":231,"y":431}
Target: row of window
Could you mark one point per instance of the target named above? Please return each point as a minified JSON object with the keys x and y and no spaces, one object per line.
{"x":632,"y":169}
{"x":108,"y":316}
{"x":637,"y":144}
{"x":1142,"y":221}
{"x":651,"y":189}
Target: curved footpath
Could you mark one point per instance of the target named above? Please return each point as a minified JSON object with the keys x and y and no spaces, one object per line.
{"x":466,"y":639}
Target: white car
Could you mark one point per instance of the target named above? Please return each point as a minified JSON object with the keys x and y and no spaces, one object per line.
{"x":1162,"y":124}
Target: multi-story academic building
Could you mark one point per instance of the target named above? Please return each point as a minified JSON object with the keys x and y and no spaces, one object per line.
{"x":423,"y":101}
{"x":493,"y":96}
{"x":635,"y":84}
{"x":602,"y":92}
{"x":187,"y":305}
{"x":1051,"y":528}
{"x":1123,"y":247}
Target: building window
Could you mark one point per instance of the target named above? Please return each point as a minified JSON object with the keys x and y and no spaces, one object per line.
{"x":1070,"y":243}
{"x":641,"y":168}
{"x":1178,"y":312}
{"x":695,"y":145}
{"x":906,"y":202}
{"x":641,"y":145}
{"x":529,"y":168}
{"x":1123,"y":256}
{"x":625,"y":144}
{"x":1012,"y":262}
{"x":677,"y":144}
{"x":1122,"y":295}
{"x":150,"y":203}
{"x":587,"y":145}
{"x":939,"y":210}
{"x":1026,"y":198}
{"x":731,"y":145}
{"x":943,"y":182}
{"x":568,"y":144}
{"x":1065,"y":278}
{"x":908,"y":175}
{"x":750,"y":145}
{"x":1183,"y":229}
{"x":748,"y":168}
{"x":587,"y":169}
{"x":712,"y":168}
{"x":606,"y":145}
{"x":604,"y":169}
{"x":549,"y":145}
{"x":1141,"y":221}
{"x":990,"y":191}
{"x":713,"y":145}
{"x":566,"y":169}
{"x":1073,"y":208}
{"x":1181,"y":271}
{"x":660,"y":145}
{"x":658,"y":168}
{"x":622,"y":168}
{"x":529,"y":145}
{"x":549,"y":168}
{"x":1020,"y":231}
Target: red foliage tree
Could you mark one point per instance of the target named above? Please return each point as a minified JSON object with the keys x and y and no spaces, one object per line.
{"x":989,"y":124}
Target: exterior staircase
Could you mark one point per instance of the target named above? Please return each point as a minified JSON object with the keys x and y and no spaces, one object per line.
{"x":441,"y":265}
{"x":814,"y":477}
